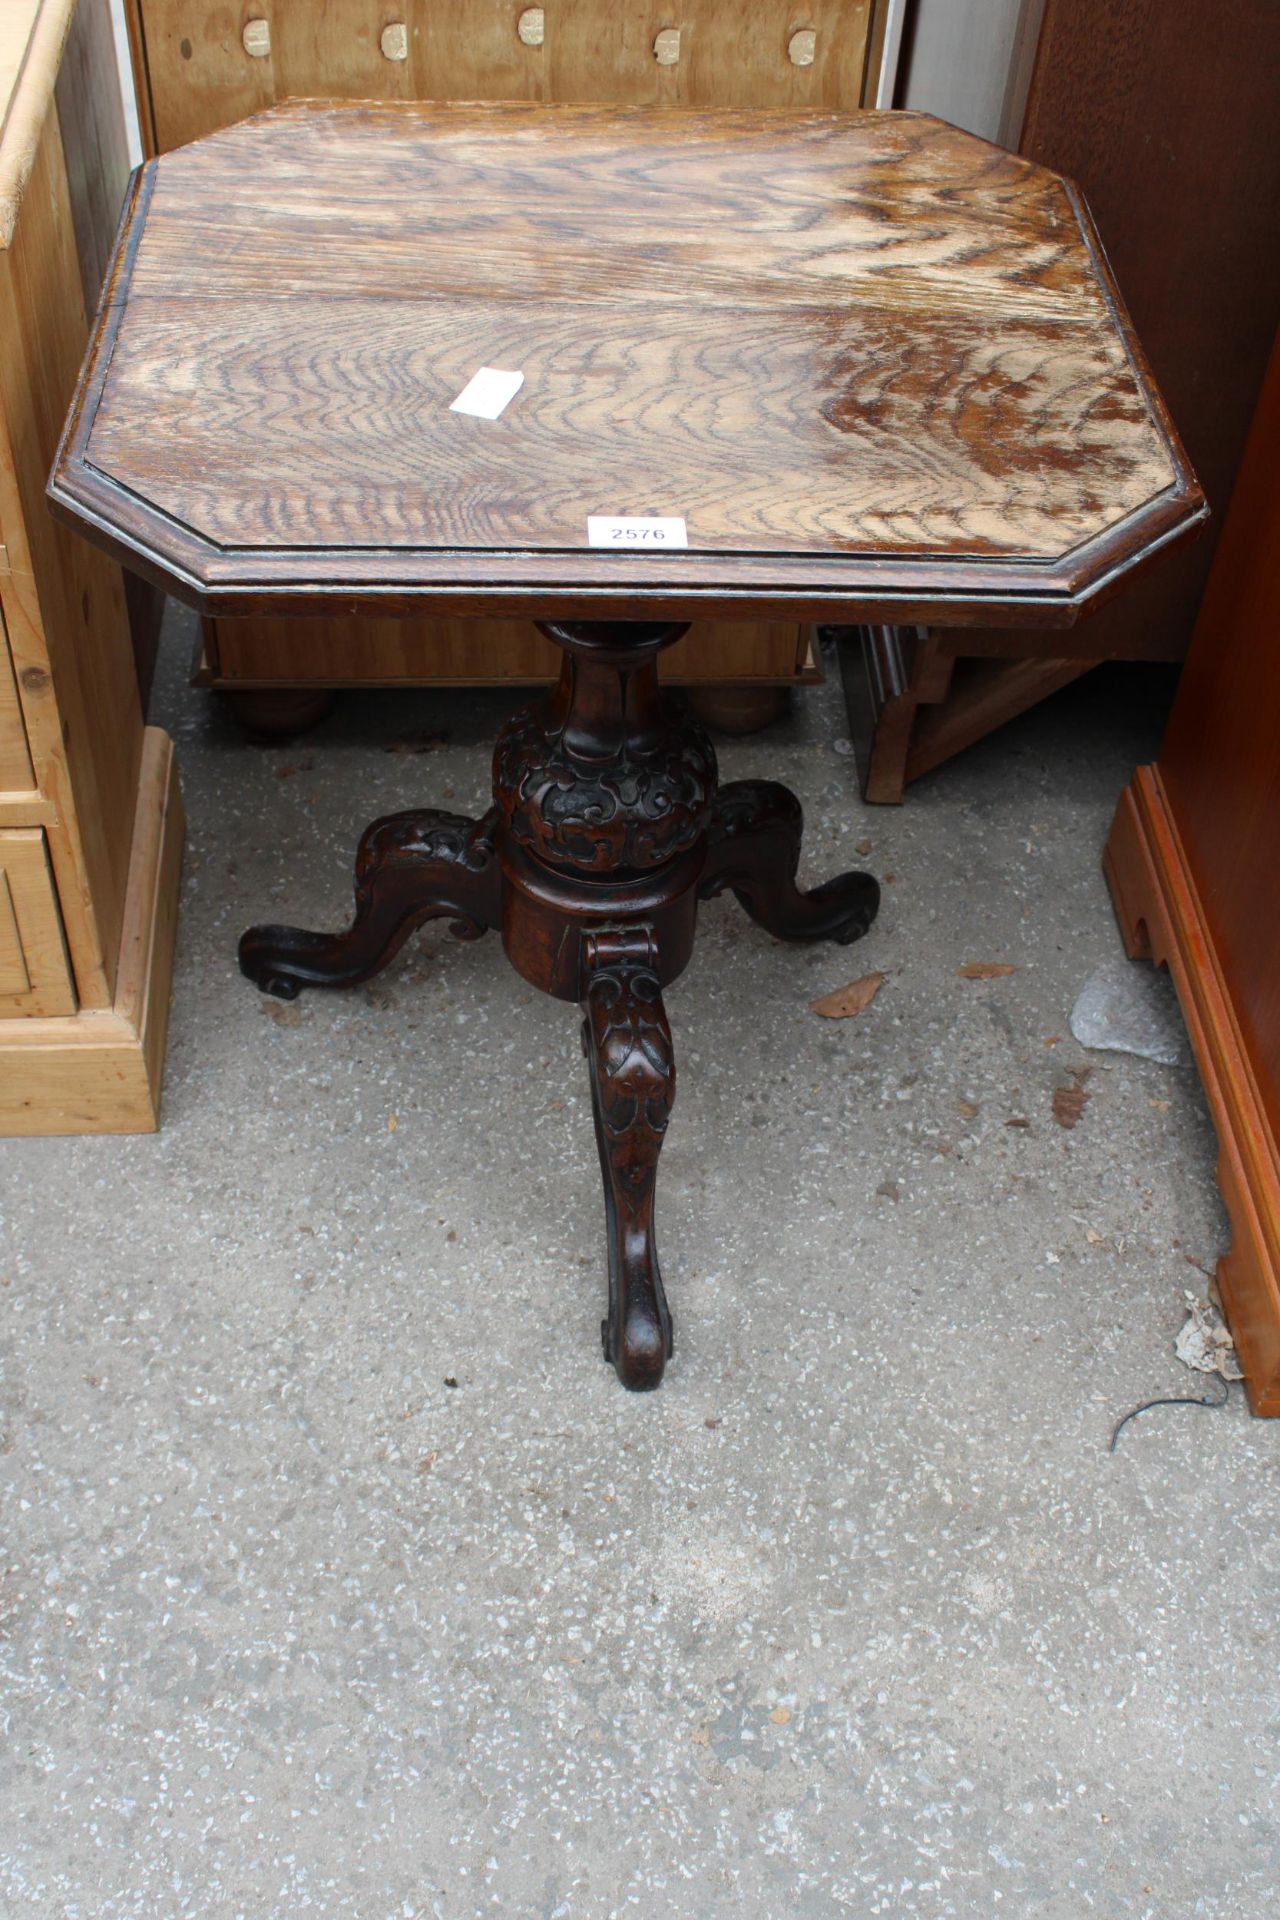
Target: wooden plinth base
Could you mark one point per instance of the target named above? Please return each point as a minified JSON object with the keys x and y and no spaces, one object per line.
{"x":101,"y":1072}
{"x":1162,"y":919}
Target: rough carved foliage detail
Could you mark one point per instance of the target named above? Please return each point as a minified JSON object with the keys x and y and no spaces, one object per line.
{"x":632,"y":813}
{"x":431,"y":834}
{"x":631,"y":1042}
{"x":430,"y":838}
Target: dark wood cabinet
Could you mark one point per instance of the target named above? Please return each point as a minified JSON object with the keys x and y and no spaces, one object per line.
{"x":1194,"y":866}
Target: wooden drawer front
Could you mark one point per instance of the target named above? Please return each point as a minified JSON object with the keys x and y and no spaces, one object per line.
{"x":345,"y":652}
{"x":205,"y":67}
{"x":34,"y":975}
{"x":15,"y":761}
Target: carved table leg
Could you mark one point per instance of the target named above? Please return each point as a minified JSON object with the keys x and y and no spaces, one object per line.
{"x":753,"y":846}
{"x":410,"y":867}
{"x":627,"y":1042}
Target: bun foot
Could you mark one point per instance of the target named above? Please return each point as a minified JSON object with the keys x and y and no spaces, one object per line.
{"x":260,"y":954}
{"x":840,"y":910}
{"x":639,"y":1355}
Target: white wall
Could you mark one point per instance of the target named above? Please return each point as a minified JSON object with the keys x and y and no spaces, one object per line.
{"x":895,"y":22}
{"x":126,"y":82}
{"x":968,"y":61}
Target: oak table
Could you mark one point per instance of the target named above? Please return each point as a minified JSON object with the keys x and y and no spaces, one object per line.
{"x":794,"y":365}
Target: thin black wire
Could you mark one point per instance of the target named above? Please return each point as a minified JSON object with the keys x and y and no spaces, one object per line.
{"x":1176,"y":1400}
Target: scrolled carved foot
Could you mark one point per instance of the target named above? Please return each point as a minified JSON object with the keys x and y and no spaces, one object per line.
{"x":410,"y":867}
{"x":627,"y":1041}
{"x":753,"y":846}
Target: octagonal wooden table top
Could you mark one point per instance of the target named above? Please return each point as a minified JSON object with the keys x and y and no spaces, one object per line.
{"x":876,"y":366}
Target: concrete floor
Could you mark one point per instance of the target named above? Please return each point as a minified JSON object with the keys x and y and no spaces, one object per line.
{"x":856,"y":1616}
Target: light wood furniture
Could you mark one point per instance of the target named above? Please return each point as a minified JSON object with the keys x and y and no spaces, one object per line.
{"x":862,"y":363}
{"x":1165,"y":116}
{"x":90,"y":818}
{"x":201,"y":68}
{"x":198,"y":69}
{"x":1194,"y":866}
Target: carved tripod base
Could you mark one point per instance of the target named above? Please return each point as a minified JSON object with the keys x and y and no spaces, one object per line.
{"x":607,"y":829}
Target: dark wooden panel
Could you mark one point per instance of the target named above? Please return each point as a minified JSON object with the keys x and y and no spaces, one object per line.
{"x":1220,"y":761}
{"x":1193,"y":861}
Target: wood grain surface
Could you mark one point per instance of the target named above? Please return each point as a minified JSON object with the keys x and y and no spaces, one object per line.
{"x":16,"y":777}
{"x":862,"y":356}
{"x":34,"y":975}
{"x":100,"y":1071}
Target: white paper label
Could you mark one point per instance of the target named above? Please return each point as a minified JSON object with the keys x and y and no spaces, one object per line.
{"x":635,"y":536}
{"x":487,"y":393}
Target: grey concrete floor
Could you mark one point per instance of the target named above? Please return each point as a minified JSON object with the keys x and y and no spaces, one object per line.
{"x":856,"y":1616}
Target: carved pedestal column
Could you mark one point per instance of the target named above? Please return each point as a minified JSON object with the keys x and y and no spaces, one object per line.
{"x":607,"y":828}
